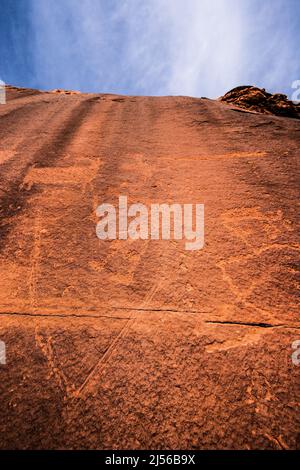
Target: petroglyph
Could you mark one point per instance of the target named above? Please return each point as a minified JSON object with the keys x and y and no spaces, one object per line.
{"x":261,"y":233}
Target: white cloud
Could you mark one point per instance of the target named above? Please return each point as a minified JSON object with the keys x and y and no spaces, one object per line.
{"x":190,"y":47}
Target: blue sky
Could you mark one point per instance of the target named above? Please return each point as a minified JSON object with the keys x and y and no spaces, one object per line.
{"x":150,"y":47}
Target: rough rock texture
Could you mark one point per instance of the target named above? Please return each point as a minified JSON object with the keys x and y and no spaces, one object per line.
{"x":142,"y":344}
{"x":259,"y":100}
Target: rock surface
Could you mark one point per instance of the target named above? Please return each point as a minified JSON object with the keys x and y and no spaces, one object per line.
{"x":259,"y":100}
{"x":142,"y":344}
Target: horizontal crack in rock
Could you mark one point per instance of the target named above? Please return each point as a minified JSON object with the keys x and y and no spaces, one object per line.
{"x":253,"y":324}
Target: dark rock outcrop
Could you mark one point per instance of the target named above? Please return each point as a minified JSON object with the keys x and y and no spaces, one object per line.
{"x":259,"y":100}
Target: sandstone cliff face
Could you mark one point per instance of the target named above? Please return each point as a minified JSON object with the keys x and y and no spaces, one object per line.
{"x":257,"y":99}
{"x":142,"y":344}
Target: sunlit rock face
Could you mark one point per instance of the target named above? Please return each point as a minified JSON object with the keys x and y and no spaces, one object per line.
{"x":134,"y":344}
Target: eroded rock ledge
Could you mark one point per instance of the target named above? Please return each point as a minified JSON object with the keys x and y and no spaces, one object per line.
{"x":259,"y":100}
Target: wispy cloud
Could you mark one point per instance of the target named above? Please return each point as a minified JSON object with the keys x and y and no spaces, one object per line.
{"x":191,"y":47}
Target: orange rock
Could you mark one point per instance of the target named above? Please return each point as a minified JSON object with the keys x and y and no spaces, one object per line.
{"x":141,"y":344}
